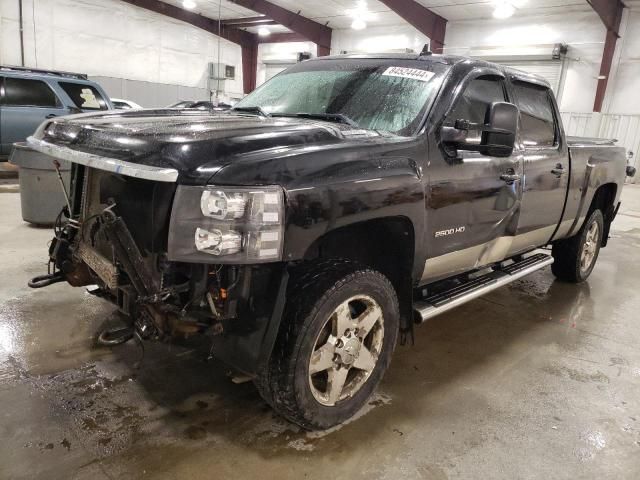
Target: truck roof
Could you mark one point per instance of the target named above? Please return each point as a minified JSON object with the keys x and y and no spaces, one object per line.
{"x":447,"y":59}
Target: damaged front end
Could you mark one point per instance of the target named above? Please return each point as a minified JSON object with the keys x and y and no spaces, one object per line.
{"x":176,"y":260}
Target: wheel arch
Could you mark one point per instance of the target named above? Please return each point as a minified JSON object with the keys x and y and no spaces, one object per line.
{"x":384,"y":244}
{"x":604,"y":200}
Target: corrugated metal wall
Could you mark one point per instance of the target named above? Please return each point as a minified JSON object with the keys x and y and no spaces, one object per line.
{"x":149,"y":94}
{"x":624,"y":128}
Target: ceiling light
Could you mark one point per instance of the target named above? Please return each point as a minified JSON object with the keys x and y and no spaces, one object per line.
{"x":360,"y":15}
{"x":503,"y":10}
{"x":264,"y":32}
{"x":359,"y":24}
{"x":189,"y":4}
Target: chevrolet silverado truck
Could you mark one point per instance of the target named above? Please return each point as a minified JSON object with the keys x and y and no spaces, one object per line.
{"x":341,"y":203}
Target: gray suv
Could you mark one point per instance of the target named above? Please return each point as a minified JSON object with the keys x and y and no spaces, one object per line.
{"x":29,"y":96}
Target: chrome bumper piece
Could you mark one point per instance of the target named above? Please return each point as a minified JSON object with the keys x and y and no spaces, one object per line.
{"x":108,"y":164}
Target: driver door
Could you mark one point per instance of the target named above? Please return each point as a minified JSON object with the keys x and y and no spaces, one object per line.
{"x":474,"y":198}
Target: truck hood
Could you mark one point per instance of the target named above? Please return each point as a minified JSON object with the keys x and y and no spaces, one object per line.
{"x":194,"y":143}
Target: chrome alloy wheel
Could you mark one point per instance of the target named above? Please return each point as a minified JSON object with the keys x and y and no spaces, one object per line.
{"x":590,"y":247}
{"x":346,"y":350}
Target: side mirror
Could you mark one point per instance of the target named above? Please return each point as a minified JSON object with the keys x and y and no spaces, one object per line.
{"x":500,"y":137}
{"x":498,"y":132}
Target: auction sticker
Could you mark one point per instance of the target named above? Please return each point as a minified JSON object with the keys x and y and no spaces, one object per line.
{"x":412,"y":73}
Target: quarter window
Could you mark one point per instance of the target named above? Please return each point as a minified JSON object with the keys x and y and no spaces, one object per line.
{"x":22,"y":92}
{"x":537,"y":120}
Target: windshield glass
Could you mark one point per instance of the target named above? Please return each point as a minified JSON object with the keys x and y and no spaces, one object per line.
{"x":387,"y":95}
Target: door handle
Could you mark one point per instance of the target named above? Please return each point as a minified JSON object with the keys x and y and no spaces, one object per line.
{"x":510,"y":176}
{"x":51,"y":115}
{"x":559,"y":170}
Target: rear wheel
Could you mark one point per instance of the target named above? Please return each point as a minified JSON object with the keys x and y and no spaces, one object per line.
{"x":575,"y":257}
{"x":338,"y":334}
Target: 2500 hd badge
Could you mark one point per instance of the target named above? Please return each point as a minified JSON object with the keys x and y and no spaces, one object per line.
{"x":309,"y":226}
{"x":449,"y":231}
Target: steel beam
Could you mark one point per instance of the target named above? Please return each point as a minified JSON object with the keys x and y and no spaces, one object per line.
{"x":261,"y":19}
{"x":422,"y":19}
{"x":251,"y":24}
{"x":205,"y":23}
{"x":610,"y":11}
{"x":283,"y":37}
{"x":309,"y":29}
{"x":249,"y":67}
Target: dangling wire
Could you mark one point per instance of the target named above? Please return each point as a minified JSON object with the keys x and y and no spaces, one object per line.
{"x":140,"y":343}
{"x":219,"y":46}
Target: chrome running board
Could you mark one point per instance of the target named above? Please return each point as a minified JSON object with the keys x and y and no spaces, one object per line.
{"x":464,"y":292}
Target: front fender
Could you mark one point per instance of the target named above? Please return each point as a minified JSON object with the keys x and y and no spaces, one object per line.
{"x":391,"y":189}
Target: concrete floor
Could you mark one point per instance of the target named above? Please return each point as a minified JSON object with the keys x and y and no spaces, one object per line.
{"x":537,"y":380}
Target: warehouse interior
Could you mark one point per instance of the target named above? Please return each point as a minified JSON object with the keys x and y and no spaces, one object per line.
{"x":539,"y":379}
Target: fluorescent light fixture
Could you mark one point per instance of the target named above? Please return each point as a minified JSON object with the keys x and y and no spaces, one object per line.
{"x":361,"y":15}
{"x":503,"y":10}
{"x":189,"y":4}
{"x":358,"y":24}
{"x":264,"y":32}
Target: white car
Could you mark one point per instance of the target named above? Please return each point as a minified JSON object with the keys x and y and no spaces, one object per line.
{"x":121,"y":104}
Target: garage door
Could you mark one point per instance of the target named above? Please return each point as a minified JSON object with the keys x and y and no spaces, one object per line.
{"x":550,"y":70}
{"x":275,"y":68}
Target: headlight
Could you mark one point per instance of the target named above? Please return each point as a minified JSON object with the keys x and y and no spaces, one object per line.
{"x":227,"y":224}
{"x":222,"y":205}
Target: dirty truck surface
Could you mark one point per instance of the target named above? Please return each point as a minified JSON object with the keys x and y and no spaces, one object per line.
{"x":539,"y":379}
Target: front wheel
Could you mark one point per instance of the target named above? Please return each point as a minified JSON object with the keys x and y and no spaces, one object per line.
{"x":339,"y":331}
{"x":575,"y":257}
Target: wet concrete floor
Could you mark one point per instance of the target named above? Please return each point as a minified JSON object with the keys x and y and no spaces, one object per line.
{"x":537,"y":380}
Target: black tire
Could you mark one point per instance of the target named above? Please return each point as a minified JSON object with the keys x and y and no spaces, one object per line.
{"x":567,"y":254}
{"x":316,"y":290}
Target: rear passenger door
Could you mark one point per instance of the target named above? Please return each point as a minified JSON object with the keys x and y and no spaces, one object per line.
{"x":25,"y":104}
{"x":546,"y":165}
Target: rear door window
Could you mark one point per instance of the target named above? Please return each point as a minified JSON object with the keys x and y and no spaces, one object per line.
{"x":538,"y":126}
{"x":23,"y":92}
{"x":84,"y":96}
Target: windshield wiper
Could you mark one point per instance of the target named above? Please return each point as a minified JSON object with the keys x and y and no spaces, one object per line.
{"x":329,"y":117}
{"x":256,"y":110}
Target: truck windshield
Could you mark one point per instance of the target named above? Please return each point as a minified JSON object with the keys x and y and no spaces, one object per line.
{"x":370,"y":94}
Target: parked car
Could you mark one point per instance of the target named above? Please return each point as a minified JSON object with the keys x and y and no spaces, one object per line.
{"x":331,"y":210}
{"x":121,"y":104}
{"x":29,"y":96}
{"x":201,"y":105}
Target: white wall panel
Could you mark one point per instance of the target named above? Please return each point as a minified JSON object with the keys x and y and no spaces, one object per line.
{"x":147,"y":94}
{"x":279,"y":53}
{"x":623,"y":89}
{"x":383,"y":39}
{"x":109,"y":38}
{"x":625,"y":129}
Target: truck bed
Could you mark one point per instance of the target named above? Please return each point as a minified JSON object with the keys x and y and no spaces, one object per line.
{"x":590,"y":141}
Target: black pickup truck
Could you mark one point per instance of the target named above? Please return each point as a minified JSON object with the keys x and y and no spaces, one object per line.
{"x":341,"y":203}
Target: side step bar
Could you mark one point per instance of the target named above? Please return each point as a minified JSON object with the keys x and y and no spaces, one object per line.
{"x":444,"y":301}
